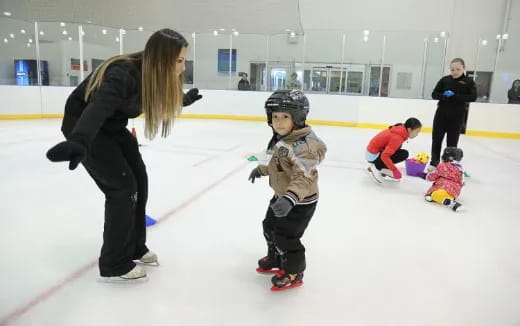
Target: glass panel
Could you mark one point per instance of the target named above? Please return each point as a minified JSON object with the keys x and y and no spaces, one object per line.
{"x":59,"y":51}
{"x":99,"y":44}
{"x":18,"y":53}
{"x":325,"y":64}
{"x":251,"y":55}
{"x":404,"y":53}
{"x":363,"y":49}
{"x":285,"y":53}
{"x":211,"y":69}
{"x":504,"y":89}
{"x":434,"y":63}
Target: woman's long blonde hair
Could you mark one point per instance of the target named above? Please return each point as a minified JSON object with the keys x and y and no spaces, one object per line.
{"x":161,"y":90}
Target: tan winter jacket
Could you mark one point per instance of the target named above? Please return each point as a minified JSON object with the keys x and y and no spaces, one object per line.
{"x":292,"y":168}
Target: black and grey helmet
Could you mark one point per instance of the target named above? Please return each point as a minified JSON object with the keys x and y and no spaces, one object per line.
{"x":452,"y":154}
{"x":293,"y":102}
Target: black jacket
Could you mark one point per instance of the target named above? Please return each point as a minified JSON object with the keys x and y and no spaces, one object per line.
{"x":464,"y":89}
{"x":117,"y":98}
{"x":512,"y":96}
{"x":108,"y":109}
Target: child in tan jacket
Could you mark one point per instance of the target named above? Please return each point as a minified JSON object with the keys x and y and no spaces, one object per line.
{"x":292,"y":172}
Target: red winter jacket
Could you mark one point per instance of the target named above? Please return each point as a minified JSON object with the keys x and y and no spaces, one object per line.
{"x":447,"y":176}
{"x":387,"y":142}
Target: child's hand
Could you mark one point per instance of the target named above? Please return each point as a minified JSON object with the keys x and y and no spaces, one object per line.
{"x":254,"y":174}
{"x":397,"y":174}
{"x":282,"y":207}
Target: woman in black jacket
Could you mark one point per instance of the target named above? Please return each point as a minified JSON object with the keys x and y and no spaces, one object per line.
{"x":453,"y":92}
{"x":513,"y":95}
{"x":94,"y":124}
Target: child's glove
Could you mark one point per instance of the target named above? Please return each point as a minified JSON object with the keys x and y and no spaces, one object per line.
{"x":282,"y":207}
{"x":67,"y":151}
{"x":191,"y":96}
{"x":254,"y":174}
{"x":397,"y":174}
{"x":448,"y":93}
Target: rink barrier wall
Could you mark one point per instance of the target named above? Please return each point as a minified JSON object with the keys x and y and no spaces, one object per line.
{"x":485,"y":119}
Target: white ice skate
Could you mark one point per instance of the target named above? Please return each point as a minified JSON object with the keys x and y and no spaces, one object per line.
{"x":150,"y":258}
{"x":453,"y":204}
{"x":375,"y":173}
{"x":136,"y":274}
{"x":388,"y":175}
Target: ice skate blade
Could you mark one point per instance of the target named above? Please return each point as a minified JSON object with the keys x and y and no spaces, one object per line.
{"x":371,"y":174}
{"x":288,"y":287}
{"x":120,"y":280}
{"x":154,"y":264}
{"x":266,"y":271}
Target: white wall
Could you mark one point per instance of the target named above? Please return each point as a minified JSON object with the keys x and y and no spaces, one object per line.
{"x":356,"y":109}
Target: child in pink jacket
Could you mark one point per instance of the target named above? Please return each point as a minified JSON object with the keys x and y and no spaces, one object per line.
{"x":447,"y":180}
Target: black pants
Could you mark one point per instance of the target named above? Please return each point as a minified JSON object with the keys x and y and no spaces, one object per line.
{"x":399,"y":156}
{"x":445,"y":123}
{"x":115,"y":164}
{"x":285,"y":233}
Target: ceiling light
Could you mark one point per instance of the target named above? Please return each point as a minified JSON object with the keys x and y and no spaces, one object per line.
{"x":11,"y":35}
{"x":6,"y":40}
{"x":30,"y":40}
{"x":70,"y":38}
{"x":436,"y":39}
{"x":215,"y":32}
{"x":104,"y":31}
{"x":366,"y":32}
{"x":22,"y":31}
{"x":505,"y":36}
{"x":140,"y":28}
{"x":235,"y":33}
{"x":117,"y":39}
{"x":443,"y":34}
{"x":41,"y":33}
{"x":62,"y":24}
{"x":365,"y":38}
{"x":484,"y":42}
{"x":28,"y":44}
{"x":64,"y":32}
{"x":7,"y":13}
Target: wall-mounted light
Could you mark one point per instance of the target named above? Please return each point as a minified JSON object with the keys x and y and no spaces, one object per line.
{"x":22,"y":31}
{"x":11,"y":35}
{"x":104,"y":31}
{"x":62,"y":24}
{"x":443,"y":34}
{"x":140,"y":28}
{"x":7,"y":13}
{"x":235,"y":33}
{"x":215,"y":33}
{"x":117,"y":39}
{"x":30,"y":40}
{"x":64,"y":32}
{"x":5,"y":40}
{"x":484,"y":42}
{"x":42,"y":33}
{"x":436,"y":39}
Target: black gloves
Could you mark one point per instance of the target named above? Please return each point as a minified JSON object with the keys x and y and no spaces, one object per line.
{"x":191,"y":96}
{"x":282,"y":207}
{"x":254,"y":174}
{"x":67,"y":151}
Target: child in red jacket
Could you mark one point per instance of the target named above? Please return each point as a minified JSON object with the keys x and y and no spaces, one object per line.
{"x":384,"y":150}
{"x":448,"y":179}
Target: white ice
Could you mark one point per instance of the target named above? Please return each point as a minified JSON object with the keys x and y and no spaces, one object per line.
{"x":376,"y":255}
